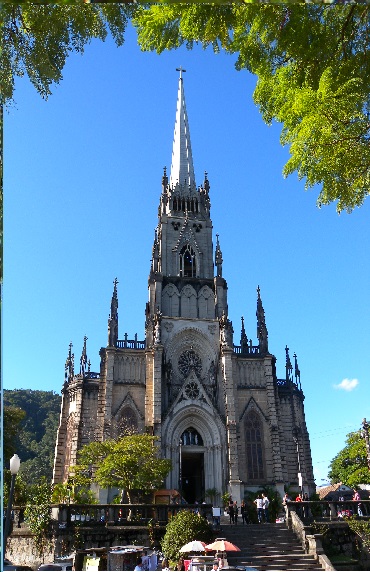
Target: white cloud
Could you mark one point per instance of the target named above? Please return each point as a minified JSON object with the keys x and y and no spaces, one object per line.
{"x":347,"y":384}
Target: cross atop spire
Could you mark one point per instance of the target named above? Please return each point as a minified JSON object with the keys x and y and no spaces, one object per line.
{"x":182,"y":168}
{"x":180,"y":69}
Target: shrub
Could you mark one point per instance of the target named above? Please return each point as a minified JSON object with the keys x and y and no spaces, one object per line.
{"x":183,"y":528}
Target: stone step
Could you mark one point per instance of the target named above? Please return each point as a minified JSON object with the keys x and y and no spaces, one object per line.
{"x":272,"y":553}
{"x":267,"y":547}
{"x":279,"y":566}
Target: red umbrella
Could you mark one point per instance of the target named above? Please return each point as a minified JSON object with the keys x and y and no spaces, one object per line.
{"x":223,"y":545}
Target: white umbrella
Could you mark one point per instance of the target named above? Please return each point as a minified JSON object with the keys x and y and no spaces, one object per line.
{"x":193,"y":546}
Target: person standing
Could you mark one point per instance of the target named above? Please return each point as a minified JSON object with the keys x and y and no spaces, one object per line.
{"x":299,"y":507}
{"x":259,"y":504}
{"x":356,"y":497}
{"x":305,"y":507}
{"x":139,"y":565}
{"x":265,"y":504}
{"x":243,"y":512}
{"x":231,"y":511}
{"x":236,"y":510}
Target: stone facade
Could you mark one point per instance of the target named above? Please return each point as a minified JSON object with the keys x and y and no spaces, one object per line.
{"x":220,"y":412}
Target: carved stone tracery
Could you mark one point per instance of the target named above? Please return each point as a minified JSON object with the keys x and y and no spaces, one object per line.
{"x":189,"y":360}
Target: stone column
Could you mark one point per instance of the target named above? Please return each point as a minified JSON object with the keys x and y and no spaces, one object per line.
{"x":153,"y":396}
{"x":274,"y":426}
{"x":157,"y":390}
{"x":231,"y":424}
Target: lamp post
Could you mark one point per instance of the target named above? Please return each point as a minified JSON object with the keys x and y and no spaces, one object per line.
{"x":15,"y":463}
{"x":365,"y":435}
{"x":300,"y":480}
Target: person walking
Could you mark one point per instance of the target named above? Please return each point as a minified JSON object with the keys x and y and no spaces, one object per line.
{"x":265,"y":504}
{"x":259,"y":504}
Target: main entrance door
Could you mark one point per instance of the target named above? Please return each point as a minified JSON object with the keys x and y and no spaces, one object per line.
{"x":192,"y":476}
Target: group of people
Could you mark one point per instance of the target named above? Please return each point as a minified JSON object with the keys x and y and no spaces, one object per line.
{"x":302,"y":510}
{"x":262,"y":503}
{"x":233,"y":511}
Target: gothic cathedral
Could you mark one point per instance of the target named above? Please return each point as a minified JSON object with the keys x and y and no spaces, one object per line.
{"x":220,"y":412}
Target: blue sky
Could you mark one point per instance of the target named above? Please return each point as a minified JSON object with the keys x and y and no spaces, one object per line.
{"x":82,"y":184}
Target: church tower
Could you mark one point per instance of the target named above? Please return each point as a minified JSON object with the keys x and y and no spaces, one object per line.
{"x":218,"y":409}
{"x":184,"y":404}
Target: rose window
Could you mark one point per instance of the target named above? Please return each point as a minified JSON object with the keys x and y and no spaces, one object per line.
{"x":189,"y":360}
{"x":192,"y":390}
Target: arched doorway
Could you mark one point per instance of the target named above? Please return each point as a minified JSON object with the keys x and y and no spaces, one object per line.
{"x":199,"y":455}
{"x":192,"y":466}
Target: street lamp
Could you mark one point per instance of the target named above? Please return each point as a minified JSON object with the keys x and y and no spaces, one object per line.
{"x":300,"y":479}
{"x":15,"y":463}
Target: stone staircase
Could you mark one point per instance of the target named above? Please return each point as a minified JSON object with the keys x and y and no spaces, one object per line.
{"x":266,"y":547}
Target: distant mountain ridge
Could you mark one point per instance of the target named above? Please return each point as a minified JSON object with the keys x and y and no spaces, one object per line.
{"x":34,"y":442}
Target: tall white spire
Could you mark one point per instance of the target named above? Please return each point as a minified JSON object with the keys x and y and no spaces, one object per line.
{"x":182,"y":168}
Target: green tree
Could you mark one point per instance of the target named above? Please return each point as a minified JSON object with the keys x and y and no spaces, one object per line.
{"x":35,"y":435}
{"x":211,"y":494}
{"x":37,"y":39}
{"x":66,"y":493}
{"x":313,"y":76}
{"x":362,"y":528}
{"x":12,"y":418}
{"x":183,"y":528}
{"x":349,"y":466}
{"x":38,"y":515}
{"x":21,"y":489}
{"x":311,"y":62}
{"x":130,"y":464}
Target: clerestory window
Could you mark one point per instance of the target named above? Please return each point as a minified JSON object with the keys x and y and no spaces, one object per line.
{"x":187,"y":262}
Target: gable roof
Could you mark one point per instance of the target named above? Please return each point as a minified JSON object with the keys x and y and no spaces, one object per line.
{"x":334,"y":491}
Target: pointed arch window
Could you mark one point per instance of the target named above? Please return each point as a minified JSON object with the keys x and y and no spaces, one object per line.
{"x":187,"y":262}
{"x":191,"y":437}
{"x":127,"y":423}
{"x":254,"y":446}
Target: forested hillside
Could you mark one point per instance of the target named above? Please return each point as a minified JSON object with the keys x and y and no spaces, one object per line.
{"x":32,"y":434}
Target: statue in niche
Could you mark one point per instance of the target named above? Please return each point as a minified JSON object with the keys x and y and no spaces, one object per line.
{"x":226,"y":331}
{"x":168,"y":373}
{"x":212,"y":380}
{"x":112,"y":332}
{"x":157,"y":326}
